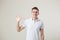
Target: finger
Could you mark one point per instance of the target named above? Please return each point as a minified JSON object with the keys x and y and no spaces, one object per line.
{"x":17,"y":16}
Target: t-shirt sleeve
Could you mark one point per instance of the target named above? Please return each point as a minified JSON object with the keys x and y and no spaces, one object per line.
{"x":23,"y":23}
{"x":42,"y":25}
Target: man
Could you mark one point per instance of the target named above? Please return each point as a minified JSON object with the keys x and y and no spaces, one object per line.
{"x":33,"y":26}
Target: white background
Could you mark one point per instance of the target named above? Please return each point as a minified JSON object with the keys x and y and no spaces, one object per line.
{"x":49,"y":14}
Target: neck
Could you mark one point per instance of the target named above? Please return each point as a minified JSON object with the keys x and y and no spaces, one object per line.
{"x":34,"y":18}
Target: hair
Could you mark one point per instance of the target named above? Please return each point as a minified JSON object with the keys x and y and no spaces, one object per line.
{"x":35,"y":8}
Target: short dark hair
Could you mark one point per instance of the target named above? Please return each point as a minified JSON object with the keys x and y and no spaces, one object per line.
{"x":35,"y":8}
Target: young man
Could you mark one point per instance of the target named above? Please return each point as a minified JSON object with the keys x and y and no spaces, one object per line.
{"x":33,"y":26}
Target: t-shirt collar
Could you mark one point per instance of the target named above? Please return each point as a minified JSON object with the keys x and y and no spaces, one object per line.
{"x":35,"y":20}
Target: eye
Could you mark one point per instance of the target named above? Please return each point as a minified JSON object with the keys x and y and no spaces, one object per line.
{"x":36,"y":12}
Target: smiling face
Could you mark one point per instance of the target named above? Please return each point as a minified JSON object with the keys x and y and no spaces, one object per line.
{"x":35,"y":13}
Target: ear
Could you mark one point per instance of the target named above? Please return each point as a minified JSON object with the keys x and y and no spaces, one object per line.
{"x":38,"y":13}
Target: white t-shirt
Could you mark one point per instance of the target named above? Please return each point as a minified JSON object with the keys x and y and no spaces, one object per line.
{"x":33,"y":28}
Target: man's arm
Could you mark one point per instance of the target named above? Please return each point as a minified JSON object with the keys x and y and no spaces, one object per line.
{"x":42,"y":33}
{"x":19,"y":27}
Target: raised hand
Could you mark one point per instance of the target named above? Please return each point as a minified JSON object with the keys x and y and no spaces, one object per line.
{"x":18,"y":18}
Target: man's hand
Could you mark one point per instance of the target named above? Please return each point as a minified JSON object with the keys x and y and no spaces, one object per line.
{"x":19,"y":27}
{"x":18,"y":18}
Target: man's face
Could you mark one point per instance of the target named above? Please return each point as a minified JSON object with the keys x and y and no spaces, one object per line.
{"x":35,"y":13}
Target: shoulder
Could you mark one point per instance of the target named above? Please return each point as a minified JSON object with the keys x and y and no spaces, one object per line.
{"x":40,"y":21}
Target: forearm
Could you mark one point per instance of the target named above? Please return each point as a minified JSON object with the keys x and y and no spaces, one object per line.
{"x":42,"y":37}
{"x":18,"y":27}
{"x":42,"y":34}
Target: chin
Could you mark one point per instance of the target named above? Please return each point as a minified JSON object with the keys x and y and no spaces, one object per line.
{"x":35,"y":16}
